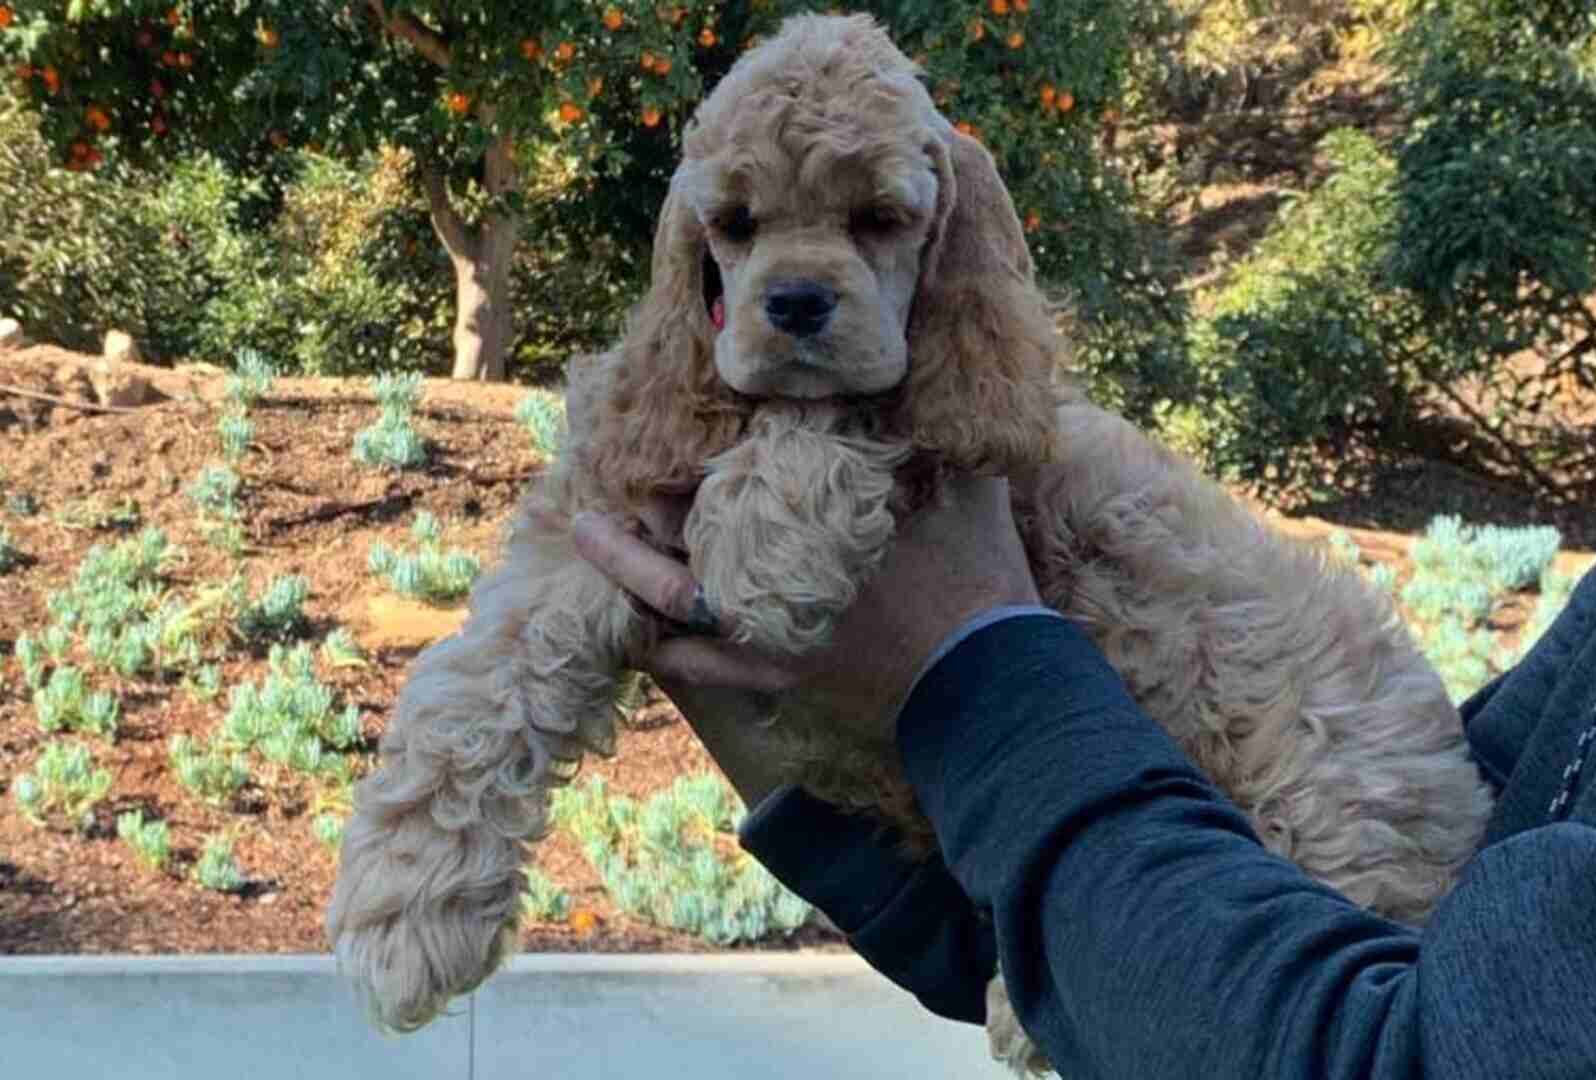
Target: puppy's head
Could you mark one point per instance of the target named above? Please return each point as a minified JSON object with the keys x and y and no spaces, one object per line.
{"x":829,"y":234}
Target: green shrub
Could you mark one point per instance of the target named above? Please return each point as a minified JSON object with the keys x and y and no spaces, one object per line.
{"x":217,"y":869}
{"x":1301,"y":345}
{"x":204,"y":683}
{"x":119,"y":606}
{"x":1461,"y":574}
{"x":1461,"y":653}
{"x":216,"y":490}
{"x":236,"y":432}
{"x":79,"y":256}
{"x":671,"y":860}
{"x":65,"y":704}
{"x":251,"y":380}
{"x":428,"y":573}
{"x":542,"y":414}
{"x":340,"y":650}
{"x":31,"y":658}
{"x":211,"y":772}
{"x":1401,"y":287}
{"x":279,"y":613}
{"x":543,"y":900}
{"x":64,"y":787}
{"x":289,"y":717}
{"x":150,"y":840}
{"x":391,"y":442}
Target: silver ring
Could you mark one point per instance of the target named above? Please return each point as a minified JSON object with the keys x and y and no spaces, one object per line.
{"x":702,"y":620}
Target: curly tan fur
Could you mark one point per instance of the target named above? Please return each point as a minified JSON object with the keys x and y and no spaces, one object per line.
{"x":820,"y":159}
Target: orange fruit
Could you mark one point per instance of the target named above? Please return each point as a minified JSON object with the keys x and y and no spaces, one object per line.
{"x":1000,"y":7}
{"x":646,"y":61}
{"x":6,"y":15}
{"x":570,"y":112}
{"x":651,"y":116}
{"x":564,"y":51}
{"x":1033,"y":221}
{"x":706,"y":37}
{"x":583,"y":921}
{"x":1066,"y":101}
{"x":1022,"y":5}
{"x":97,"y":118}
{"x":1049,"y":93}
{"x":459,"y":102}
{"x":662,"y":66}
{"x":531,"y":49}
{"x":269,"y":37}
{"x":976,"y":29}
{"x":1016,"y":40}
{"x":51,"y":77}
{"x":612,"y":19}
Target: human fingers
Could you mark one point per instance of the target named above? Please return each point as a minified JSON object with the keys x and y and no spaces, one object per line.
{"x":662,"y":583}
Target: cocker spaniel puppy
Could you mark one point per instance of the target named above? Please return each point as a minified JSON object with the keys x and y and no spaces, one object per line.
{"x":842,"y":311}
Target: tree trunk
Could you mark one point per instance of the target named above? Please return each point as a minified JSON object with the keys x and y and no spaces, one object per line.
{"x":481,"y":255}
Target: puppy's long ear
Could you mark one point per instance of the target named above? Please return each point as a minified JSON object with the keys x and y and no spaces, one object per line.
{"x":659,"y":410}
{"x":981,"y":345}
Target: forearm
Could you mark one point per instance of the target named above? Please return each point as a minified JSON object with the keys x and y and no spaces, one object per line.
{"x":734,"y":726}
{"x":1145,"y":932}
{"x":909,"y":919}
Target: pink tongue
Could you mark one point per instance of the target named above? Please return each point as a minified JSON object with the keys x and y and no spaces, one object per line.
{"x":717,"y":312}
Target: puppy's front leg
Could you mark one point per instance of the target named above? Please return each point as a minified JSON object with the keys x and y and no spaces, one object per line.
{"x":490,"y":721}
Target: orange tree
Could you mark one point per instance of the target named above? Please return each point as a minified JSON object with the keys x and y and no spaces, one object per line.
{"x":558,"y":121}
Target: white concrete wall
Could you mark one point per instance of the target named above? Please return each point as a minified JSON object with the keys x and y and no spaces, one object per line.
{"x":570,"y":1017}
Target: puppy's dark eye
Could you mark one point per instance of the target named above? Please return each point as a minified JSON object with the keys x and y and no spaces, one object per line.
{"x":873,"y":221}
{"x":736,"y":224}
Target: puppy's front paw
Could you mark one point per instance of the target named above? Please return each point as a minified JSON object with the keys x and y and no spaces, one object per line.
{"x":1006,"y":1039}
{"x":788,"y":526}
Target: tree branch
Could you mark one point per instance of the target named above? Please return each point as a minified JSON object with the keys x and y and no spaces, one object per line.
{"x":451,"y":228}
{"x":1513,"y":450}
{"x":406,"y":27}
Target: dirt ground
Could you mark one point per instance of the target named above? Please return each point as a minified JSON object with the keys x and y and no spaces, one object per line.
{"x":95,"y":475}
{"x":309,"y":510}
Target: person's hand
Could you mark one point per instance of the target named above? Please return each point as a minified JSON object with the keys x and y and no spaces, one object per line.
{"x":947,"y":564}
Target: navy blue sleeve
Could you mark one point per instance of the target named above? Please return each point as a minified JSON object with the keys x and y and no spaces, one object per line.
{"x":1144,"y":931}
{"x":909,"y":920}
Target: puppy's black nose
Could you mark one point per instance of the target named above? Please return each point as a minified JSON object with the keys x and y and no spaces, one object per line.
{"x":800,"y":308}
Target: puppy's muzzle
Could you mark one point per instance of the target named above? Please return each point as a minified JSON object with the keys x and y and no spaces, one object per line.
{"x":800,"y":308}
